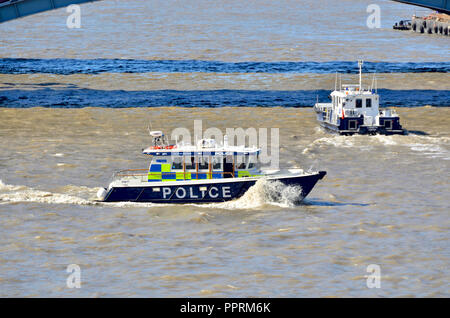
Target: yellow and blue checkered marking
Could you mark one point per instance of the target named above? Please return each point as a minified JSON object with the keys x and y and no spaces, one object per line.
{"x":161,"y":171}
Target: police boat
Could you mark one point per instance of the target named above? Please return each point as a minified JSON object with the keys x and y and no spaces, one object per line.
{"x":355,"y":110}
{"x":206,"y":172}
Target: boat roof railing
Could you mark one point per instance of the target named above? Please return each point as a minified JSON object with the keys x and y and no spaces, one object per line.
{"x":156,"y":133}
{"x":190,"y":150}
{"x":184,"y":153}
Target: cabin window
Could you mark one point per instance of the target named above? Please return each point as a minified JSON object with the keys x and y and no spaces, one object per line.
{"x":203,"y":163}
{"x":358,"y":103}
{"x":368,"y":103}
{"x":190,"y":163}
{"x":251,"y":163}
{"x":352,"y":124}
{"x":242,"y":162}
{"x":217,"y":163}
{"x":388,"y":124}
{"x":177,"y":163}
{"x":228,"y":166}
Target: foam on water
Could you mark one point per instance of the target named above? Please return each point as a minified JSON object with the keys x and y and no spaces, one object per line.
{"x":386,"y":140}
{"x":261,"y":194}
{"x":19,"y":193}
{"x":133,"y":204}
{"x":418,"y":143}
{"x":13,"y":193}
{"x":335,"y":140}
{"x":432,"y":147}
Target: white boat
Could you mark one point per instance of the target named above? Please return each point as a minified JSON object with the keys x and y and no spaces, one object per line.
{"x":355,"y":110}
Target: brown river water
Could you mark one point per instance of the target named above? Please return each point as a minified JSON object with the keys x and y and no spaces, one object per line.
{"x":384,"y":200}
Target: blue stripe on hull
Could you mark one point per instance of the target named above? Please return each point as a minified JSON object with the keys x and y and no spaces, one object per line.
{"x":202,"y":193}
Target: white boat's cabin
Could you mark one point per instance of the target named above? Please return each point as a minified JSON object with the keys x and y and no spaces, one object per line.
{"x":352,"y":101}
{"x":206,"y":160}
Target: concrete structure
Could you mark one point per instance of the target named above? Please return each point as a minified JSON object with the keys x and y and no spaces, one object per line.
{"x":436,"y":23}
{"x":13,"y":9}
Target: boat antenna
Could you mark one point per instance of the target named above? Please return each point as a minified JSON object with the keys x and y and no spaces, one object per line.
{"x":360,"y":64}
{"x":149,"y":127}
{"x":335,"y":82}
{"x":373,"y":81}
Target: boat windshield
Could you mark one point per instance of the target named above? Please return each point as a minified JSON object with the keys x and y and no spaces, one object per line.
{"x":205,"y":162}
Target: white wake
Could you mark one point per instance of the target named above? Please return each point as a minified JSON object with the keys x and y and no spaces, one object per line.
{"x":261,"y":194}
{"x":20,"y":193}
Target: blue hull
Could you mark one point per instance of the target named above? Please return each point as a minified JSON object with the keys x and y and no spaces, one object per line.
{"x":203,"y":192}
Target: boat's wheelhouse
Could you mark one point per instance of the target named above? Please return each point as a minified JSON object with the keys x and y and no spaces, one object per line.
{"x":197,"y":165}
{"x":354,"y":102}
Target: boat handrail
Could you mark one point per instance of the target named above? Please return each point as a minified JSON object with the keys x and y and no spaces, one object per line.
{"x":145,"y":173}
{"x":137,"y":173}
{"x":388,"y":112}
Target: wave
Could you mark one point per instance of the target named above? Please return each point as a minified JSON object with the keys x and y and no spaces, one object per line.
{"x":97,"y":66}
{"x":20,"y":193}
{"x":434,"y":147}
{"x":77,"y":98}
{"x":261,"y":194}
{"x":431,"y":147}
